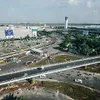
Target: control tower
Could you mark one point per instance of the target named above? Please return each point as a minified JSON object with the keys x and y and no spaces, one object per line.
{"x":66,"y":22}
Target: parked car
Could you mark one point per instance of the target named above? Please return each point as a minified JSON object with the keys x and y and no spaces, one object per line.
{"x":18,"y":61}
{"x":78,"y":80}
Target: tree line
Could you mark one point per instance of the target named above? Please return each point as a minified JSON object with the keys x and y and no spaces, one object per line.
{"x":80,"y":43}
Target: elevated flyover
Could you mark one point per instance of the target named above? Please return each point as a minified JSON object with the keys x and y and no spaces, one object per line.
{"x":47,"y":69}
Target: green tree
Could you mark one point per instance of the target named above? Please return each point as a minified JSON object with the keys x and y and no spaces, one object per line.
{"x":80,"y":43}
{"x":27,"y":37}
{"x":66,"y":43}
{"x":85,"y":49}
{"x":44,"y":32}
{"x":12,"y":97}
{"x":12,"y":40}
{"x":3,"y":44}
{"x":31,"y":80}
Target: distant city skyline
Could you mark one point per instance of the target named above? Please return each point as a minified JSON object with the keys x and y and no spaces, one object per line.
{"x":49,"y":11}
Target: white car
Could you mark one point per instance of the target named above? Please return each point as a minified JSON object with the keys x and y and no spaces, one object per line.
{"x":43,"y":76}
{"x":42,"y":68}
{"x":25,"y":75}
{"x":78,"y":80}
{"x":18,"y":61}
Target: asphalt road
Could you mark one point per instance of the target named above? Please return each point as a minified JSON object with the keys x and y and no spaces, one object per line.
{"x":53,"y":48}
{"x":46,"y":69}
{"x":16,"y":66}
{"x":8,"y":55}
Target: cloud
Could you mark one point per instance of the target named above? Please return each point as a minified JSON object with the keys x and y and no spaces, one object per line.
{"x":95,"y":11}
{"x":74,"y":2}
{"x":89,"y":3}
{"x":93,"y":5}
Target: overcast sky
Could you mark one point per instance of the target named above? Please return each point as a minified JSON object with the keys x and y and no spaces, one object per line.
{"x":78,"y":11}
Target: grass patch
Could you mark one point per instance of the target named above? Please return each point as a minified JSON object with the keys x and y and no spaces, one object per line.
{"x":92,"y":68}
{"x":57,"y":59}
{"x":40,"y":63}
{"x":64,"y":58}
{"x":74,"y":91}
{"x":7,"y":51}
{"x":1,"y":53}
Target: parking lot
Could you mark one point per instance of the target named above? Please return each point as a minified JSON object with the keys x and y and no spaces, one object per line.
{"x":78,"y":77}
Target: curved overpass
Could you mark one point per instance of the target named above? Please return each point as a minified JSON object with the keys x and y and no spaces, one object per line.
{"x":48,"y":69}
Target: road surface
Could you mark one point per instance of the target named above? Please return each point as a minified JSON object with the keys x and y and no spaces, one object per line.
{"x":50,"y":69}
